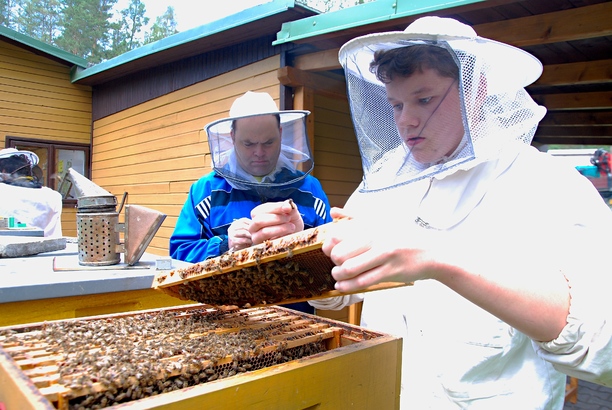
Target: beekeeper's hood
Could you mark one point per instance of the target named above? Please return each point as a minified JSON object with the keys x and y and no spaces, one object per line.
{"x":31,"y":157}
{"x":17,"y":166}
{"x":294,"y":162}
{"x":497,"y":111}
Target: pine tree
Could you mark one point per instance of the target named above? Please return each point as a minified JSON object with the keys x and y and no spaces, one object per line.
{"x":126,"y":33}
{"x":164,"y":26}
{"x":87,"y":28}
{"x":40,"y":19}
{"x":6,"y":13}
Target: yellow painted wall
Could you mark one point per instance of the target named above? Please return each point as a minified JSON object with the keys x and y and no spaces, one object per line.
{"x":38,"y":101}
{"x":157,"y":149}
{"x":336,"y":153}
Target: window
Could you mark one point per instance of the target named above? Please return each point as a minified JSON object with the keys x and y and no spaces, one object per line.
{"x":54,"y":159}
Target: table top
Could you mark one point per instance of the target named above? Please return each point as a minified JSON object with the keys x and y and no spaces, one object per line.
{"x":22,"y":232}
{"x":59,"y":274}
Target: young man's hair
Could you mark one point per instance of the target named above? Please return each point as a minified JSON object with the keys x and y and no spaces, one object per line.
{"x":405,"y":61}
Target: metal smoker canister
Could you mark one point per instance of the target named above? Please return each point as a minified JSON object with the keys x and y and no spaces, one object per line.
{"x":98,"y":237}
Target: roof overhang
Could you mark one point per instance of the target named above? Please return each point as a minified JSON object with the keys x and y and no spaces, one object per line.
{"x":40,"y":48}
{"x":360,"y":15}
{"x":262,"y":19}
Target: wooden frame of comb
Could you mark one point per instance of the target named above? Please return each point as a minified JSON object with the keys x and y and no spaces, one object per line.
{"x":284,"y":270}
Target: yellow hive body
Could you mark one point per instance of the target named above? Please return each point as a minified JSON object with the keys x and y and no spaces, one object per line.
{"x":199,"y":356}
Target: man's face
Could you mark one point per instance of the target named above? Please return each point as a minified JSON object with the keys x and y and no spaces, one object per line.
{"x":257,"y":142}
{"x":426,"y":109}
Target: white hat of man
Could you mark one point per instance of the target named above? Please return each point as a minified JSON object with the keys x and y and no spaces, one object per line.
{"x":295,"y":147}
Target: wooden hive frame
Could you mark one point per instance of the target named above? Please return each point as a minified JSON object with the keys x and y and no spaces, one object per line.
{"x":29,"y":365}
{"x":285,"y":270}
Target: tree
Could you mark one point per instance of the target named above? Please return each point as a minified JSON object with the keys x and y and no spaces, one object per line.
{"x":40,"y":19}
{"x":87,"y":28}
{"x":125,"y":34}
{"x":164,"y":26}
{"x":132,"y":22}
{"x":6,"y":13}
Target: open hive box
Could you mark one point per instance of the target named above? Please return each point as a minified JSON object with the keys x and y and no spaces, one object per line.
{"x":285,"y":270}
{"x":198,"y":357}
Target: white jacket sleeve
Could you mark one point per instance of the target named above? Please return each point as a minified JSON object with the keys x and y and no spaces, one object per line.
{"x":583,"y":349}
{"x":336,"y":303}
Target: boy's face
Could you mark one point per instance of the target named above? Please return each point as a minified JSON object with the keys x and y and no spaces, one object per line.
{"x":257,"y":142}
{"x":426,"y":109}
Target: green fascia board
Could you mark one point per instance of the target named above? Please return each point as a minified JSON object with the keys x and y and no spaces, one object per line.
{"x":235,"y":20}
{"x":360,"y":15}
{"x":45,"y":48}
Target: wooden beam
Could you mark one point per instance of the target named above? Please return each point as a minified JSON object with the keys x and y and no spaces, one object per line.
{"x":568,"y":25}
{"x":601,"y":100}
{"x":320,"y":61}
{"x":575,"y":24}
{"x":582,"y":73}
{"x":550,"y":139}
{"x":570,"y":118}
{"x":576,"y":131}
{"x":293,"y":77}
{"x":304,"y":100}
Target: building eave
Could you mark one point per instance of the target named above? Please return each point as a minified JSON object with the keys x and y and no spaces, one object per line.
{"x":262,"y":19}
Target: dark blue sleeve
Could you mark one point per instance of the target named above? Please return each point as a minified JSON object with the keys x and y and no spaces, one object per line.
{"x":315,"y":210}
{"x":193,"y":240}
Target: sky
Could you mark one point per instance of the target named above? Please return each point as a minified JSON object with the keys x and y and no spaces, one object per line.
{"x":189,"y":13}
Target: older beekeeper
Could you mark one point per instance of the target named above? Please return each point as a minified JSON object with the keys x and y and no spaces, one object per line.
{"x":24,"y":198}
{"x":260,"y":187}
{"x":503,"y":244}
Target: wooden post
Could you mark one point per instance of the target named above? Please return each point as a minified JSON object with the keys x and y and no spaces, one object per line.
{"x":571,"y":390}
{"x":304,"y":100}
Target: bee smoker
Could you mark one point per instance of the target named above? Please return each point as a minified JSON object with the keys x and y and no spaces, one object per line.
{"x":98,"y":227}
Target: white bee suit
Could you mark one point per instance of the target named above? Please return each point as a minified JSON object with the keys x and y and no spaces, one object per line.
{"x":36,"y":207}
{"x":456,"y":355}
{"x":495,"y":207}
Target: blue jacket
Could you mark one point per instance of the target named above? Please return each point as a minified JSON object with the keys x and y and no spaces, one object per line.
{"x":213,"y":204}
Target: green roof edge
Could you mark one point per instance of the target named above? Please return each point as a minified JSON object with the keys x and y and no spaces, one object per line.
{"x":362,"y":14}
{"x":243,"y":17}
{"x":43,"y":47}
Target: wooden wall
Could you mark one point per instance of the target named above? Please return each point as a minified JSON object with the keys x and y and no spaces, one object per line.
{"x":157,"y":149}
{"x":38,"y":101}
{"x":337,"y":166}
{"x":336,"y":153}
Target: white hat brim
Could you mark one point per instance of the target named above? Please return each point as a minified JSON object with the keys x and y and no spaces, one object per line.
{"x":509,"y":66}
{"x":223,"y":125}
{"x":9,"y":153}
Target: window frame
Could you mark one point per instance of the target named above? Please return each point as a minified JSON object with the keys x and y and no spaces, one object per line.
{"x":52,"y":146}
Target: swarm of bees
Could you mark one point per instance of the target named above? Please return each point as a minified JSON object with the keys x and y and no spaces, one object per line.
{"x":103,"y":362}
{"x":272,"y":283}
{"x":290,"y":269}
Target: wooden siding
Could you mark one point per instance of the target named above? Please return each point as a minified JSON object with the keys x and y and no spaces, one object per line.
{"x":117,"y":95}
{"x":336,"y":153}
{"x":157,"y":149}
{"x":38,"y":101}
{"x":69,"y":221}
